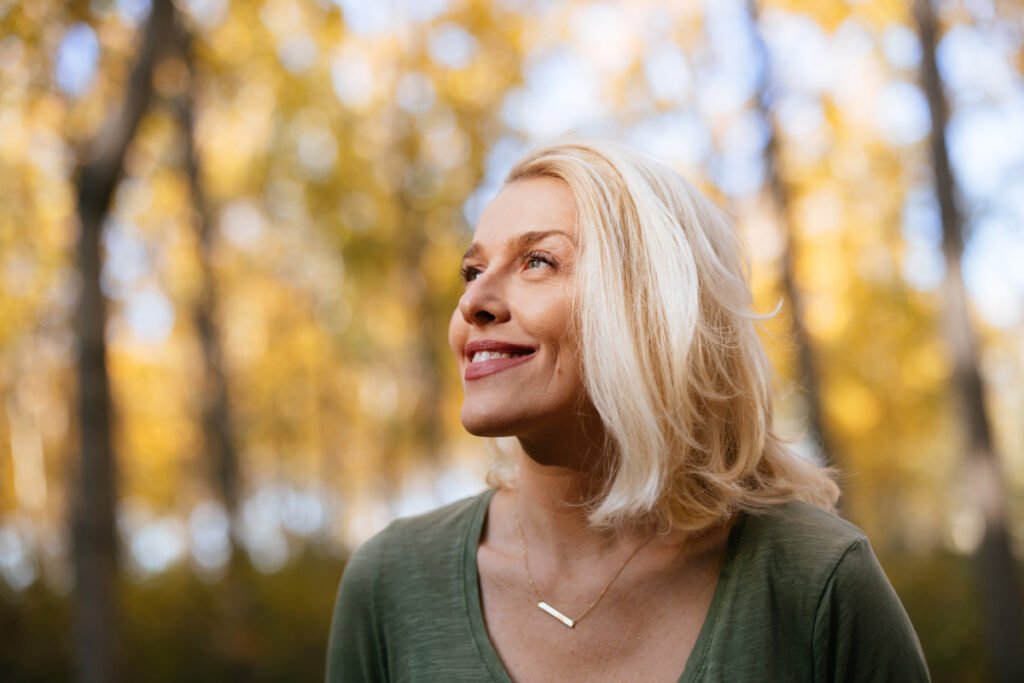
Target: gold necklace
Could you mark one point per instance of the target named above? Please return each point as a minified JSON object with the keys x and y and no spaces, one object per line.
{"x":546,"y":606}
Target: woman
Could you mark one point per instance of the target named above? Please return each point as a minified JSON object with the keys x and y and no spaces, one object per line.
{"x":647,"y":524}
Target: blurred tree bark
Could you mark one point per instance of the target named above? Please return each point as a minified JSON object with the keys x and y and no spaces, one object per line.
{"x":94,"y":524}
{"x":422,"y":428}
{"x":807,"y":364}
{"x":995,"y":565}
{"x":218,"y":427}
{"x":427,"y":419}
{"x":419,"y":362}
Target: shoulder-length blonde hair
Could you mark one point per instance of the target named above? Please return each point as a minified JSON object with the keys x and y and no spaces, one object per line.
{"x":671,"y":360}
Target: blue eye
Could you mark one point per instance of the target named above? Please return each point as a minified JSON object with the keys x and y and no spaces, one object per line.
{"x":535,"y":260}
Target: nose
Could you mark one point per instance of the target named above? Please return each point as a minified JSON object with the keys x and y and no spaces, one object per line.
{"x":484,"y":301}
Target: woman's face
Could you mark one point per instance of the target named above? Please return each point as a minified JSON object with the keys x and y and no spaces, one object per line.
{"x":511,"y":330}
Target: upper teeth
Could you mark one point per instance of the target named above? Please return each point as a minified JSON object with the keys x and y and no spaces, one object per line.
{"x":488,"y":355}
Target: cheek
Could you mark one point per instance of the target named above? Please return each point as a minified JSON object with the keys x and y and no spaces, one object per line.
{"x":456,"y":334}
{"x":557,"y":330}
{"x":560,"y":325}
{"x":572,"y":361}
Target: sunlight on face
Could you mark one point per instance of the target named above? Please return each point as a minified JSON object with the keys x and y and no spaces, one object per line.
{"x":511,"y":331}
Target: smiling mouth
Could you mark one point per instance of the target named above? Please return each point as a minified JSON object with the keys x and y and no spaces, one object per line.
{"x":486,"y":363}
{"x":480,"y":356}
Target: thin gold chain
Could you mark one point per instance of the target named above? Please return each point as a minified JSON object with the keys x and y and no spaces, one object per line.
{"x":529,"y":576}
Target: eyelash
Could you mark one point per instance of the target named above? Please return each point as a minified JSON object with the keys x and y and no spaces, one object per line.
{"x":540,"y":256}
{"x":468,"y":273}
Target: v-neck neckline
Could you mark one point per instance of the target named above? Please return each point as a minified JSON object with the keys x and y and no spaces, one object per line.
{"x":474,"y":607}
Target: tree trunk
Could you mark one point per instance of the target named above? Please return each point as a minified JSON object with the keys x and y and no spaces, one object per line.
{"x":424,"y":423}
{"x":217,"y":424}
{"x":996,"y":567}
{"x":233,"y":607}
{"x":809,"y":374}
{"x":426,"y":418}
{"x":93,"y":526}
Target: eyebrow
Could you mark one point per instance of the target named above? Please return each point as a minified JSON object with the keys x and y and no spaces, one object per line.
{"x":521,"y":241}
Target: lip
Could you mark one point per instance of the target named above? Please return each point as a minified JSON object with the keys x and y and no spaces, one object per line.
{"x":495,"y":365}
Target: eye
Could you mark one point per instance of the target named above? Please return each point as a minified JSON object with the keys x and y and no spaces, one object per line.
{"x":469,"y":273}
{"x":536,"y":260}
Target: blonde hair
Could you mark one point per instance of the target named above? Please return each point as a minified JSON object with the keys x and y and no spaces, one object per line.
{"x":671,"y":359}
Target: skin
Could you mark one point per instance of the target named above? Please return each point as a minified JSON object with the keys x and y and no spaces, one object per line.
{"x":519,"y":289}
{"x":521,"y":292}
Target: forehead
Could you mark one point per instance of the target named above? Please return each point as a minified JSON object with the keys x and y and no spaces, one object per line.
{"x":529,"y":205}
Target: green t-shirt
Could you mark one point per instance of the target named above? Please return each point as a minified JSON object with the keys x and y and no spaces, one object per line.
{"x":800,"y":597}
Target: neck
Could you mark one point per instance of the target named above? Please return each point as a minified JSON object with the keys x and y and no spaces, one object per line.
{"x":555,"y":480}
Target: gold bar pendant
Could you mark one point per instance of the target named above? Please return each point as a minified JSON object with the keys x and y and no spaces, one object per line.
{"x":556,"y":614}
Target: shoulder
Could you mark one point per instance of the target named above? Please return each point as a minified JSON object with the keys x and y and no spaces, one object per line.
{"x":801,"y":597}
{"x":796,"y":536}
{"x":806,"y":521}
{"x":413,"y":541}
{"x":787,"y":555}
{"x":401,"y":607}
{"x":453,"y":517}
{"x":407,"y":553}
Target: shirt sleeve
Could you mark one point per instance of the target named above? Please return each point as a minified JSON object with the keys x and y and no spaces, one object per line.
{"x":356,"y":646}
{"x":861,"y":631}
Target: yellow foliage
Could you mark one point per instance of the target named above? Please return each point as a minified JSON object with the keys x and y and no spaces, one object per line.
{"x":333,"y":289}
{"x":852,"y":407}
{"x":926,"y":367}
{"x":825,"y":317}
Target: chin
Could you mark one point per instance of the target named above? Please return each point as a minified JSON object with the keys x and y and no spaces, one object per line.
{"x":491,"y":423}
{"x":531,"y":425}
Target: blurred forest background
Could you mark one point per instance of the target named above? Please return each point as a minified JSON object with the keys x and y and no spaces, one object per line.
{"x":229,"y":243}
